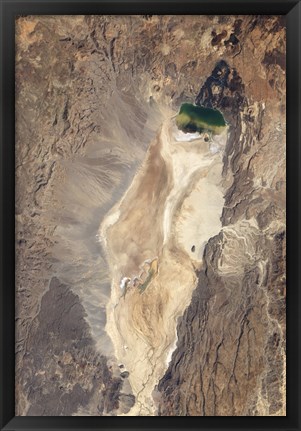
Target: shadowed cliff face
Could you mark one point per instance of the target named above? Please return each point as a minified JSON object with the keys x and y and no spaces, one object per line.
{"x":92,"y":94}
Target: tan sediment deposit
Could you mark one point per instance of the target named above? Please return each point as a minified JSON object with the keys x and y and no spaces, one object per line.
{"x":172,"y":207}
{"x":91,"y":152}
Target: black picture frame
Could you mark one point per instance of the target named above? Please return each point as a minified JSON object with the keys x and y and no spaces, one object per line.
{"x":9,"y":10}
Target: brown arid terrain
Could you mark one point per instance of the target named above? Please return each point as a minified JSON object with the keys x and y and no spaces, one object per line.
{"x":150,"y":263}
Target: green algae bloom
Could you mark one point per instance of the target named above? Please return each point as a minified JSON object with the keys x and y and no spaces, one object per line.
{"x":192,"y":118}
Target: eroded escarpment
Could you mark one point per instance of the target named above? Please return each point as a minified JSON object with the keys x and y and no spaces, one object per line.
{"x":236,"y":316}
{"x":90,"y":103}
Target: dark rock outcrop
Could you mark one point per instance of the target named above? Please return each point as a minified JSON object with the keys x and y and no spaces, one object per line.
{"x":236,"y":362}
{"x":62,"y":371}
{"x":75,"y":77}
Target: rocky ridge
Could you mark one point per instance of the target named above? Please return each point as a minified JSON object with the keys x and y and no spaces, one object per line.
{"x":74,"y":77}
{"x":236,"y":362}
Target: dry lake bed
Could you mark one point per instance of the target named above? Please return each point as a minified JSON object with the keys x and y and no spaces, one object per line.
{"x":150,"y":216}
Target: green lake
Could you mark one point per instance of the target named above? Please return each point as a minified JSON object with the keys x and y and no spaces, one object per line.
{"x":192,"y":118}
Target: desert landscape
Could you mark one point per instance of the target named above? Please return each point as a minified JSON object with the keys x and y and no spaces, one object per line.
{"x":150,"y":216}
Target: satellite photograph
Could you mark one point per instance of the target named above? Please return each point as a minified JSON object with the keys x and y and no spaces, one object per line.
{"x":150,"y":215}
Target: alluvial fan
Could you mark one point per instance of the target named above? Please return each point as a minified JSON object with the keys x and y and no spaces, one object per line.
{"x":150,"y":215}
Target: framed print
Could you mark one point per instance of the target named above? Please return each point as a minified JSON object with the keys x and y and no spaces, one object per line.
{"x":150,"y":192}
